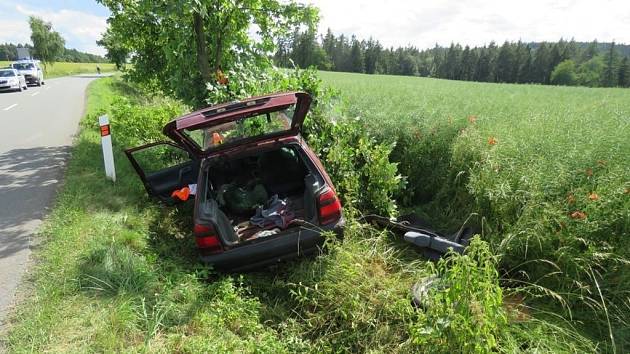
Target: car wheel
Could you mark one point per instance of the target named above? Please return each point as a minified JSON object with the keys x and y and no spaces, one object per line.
{"x":39,"y":83}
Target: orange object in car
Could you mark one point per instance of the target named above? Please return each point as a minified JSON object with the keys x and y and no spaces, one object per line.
{"x":217,"y":138}
{"x":181,"y":194}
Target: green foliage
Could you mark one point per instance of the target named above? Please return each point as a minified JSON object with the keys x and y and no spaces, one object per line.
{"x":465,"y":311}
{"x":180,"y":47}
{"x":590,"y":72}
{"x":116,"y":51}
{"x":142,"y":124}
{"x":564,"y":74}
{"x":48,"y":45}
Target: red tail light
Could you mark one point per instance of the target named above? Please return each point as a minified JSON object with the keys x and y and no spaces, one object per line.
{"x":329,"y":207}
{"x":207,"y":239}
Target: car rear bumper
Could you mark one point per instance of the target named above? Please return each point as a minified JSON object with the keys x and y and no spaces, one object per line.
{"x":31,"y":79}
{"x":4,"y":87}
{"x":300,"y":242}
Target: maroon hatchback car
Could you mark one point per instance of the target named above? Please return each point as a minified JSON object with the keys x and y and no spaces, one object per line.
{"x":261,"y":195}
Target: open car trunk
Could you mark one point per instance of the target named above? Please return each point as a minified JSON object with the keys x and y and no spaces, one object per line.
{"x":258,"y":196}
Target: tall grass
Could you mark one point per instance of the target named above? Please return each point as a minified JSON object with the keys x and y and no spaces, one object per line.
{"x":543,"y":171}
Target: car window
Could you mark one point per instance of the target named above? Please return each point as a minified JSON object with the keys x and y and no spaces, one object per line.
{"x":248,"y":127}
{"x":7,"y":73}
{"x":23,"y":66}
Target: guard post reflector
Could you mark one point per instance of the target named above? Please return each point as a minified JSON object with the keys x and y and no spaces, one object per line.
{"x":106,"y":143}
{"x":105,"y":130}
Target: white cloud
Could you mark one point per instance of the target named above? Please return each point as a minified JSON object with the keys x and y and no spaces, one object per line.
{"x":81,"y":30}
{"x":476,"y":22}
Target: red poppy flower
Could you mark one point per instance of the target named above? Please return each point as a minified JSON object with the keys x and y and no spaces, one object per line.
{"x":579,"y":215}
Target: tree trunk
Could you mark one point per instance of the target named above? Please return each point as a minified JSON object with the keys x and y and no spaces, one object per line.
{"x":202,"y":52}
{"x":218,"y":55}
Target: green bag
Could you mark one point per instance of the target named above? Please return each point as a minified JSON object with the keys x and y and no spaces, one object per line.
{"x":244,"y":200}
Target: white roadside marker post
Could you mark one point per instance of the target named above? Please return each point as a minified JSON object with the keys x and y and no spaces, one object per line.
{"x":106,"y":143}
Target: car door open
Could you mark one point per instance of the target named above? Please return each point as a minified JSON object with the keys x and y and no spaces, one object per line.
{"x":163,"y":168}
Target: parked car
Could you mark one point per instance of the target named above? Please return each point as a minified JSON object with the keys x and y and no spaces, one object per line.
{"x":262,"y":195}
{"x":31,"y":70}
{"x":11,"y":79}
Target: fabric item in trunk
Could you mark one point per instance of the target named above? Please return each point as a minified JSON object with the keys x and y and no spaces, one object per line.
{"x":274,"y":213}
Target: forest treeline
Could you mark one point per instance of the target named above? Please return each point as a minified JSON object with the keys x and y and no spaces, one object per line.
{"x":559,"y":63}
{"x":8,"y":51}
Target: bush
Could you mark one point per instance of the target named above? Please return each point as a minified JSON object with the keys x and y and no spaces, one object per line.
{"x":465,"y":314}
{"x":134,"y":124}
{"x":564,"y":74}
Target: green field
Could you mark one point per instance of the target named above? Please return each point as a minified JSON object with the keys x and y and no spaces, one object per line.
{"x":65,"y":69}
{"x":542,"y":171}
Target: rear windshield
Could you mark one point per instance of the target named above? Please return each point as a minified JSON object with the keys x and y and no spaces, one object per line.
{"x":23,"y":66}
{"x":242,"y":129}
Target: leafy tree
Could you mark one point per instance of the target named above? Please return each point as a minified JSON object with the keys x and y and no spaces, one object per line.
{"x":48,"y":45}
{"x":564,"y":73}
{"x":185,"y":47}
{"x":590,"y":72}
{"x":117,"y":53}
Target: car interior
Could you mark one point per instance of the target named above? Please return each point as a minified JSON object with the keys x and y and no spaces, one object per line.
{"x":238,"y":186}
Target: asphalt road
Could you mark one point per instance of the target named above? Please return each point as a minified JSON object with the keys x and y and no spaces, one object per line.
{"x":36,"y":131}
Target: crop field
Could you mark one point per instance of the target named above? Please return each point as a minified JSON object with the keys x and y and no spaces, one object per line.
{"x":543,"y":172}
{"x":65,"y":69}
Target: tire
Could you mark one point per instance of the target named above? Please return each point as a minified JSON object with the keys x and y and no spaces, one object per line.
{"x":39,"y":82}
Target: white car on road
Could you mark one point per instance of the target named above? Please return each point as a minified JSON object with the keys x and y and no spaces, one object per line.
{"x":11,"y":79}
{"x":31,"y":70}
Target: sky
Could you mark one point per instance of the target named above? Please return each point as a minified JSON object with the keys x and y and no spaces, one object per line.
{"x":80,"y":22}
{"x":393,"y":22}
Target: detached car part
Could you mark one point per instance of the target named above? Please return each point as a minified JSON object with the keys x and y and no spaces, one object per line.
{"x":433,"y":244}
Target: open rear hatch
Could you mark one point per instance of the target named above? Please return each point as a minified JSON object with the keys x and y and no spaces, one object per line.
{"x":226,"y":126}
{"x":166,"y":166}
